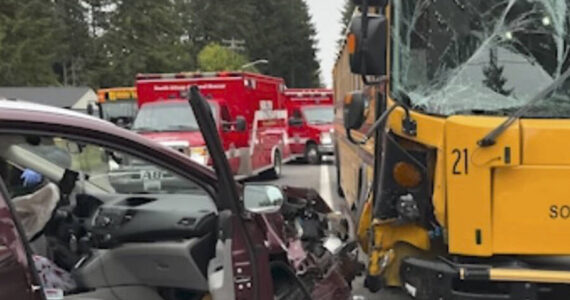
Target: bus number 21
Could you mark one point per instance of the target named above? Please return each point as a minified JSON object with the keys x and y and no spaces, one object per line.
{"x":461,"y":165}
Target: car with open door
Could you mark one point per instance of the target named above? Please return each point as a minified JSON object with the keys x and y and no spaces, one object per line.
{"x":181,"y":232}
{"x":89,"y":210}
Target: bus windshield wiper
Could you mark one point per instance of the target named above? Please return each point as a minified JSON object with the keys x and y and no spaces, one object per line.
{"x":491,"y":138}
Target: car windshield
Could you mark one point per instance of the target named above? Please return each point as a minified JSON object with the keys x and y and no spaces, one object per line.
{"x":174,"y":116}
{"x":476,"y":56}
{"x":119,"y":109}
{"x":319,"y":115}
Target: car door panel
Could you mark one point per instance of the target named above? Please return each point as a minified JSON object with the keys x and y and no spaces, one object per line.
{"x":17,"y":276}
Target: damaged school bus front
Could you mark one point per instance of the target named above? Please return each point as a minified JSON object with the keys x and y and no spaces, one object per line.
{"x":474,"y":200}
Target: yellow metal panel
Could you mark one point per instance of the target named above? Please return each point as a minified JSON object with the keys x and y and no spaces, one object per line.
{"x":468,"y":169}
{"x":430,"y":129}
{"x":531,"y":210}
{"x":556,"y":134}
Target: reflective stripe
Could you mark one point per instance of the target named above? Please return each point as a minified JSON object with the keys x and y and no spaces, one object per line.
{"x":527,"y":275}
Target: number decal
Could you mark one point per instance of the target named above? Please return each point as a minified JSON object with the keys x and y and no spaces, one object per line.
{"x":460,"y":155}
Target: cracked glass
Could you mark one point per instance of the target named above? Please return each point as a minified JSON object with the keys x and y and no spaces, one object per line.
{"x":480,"y":56}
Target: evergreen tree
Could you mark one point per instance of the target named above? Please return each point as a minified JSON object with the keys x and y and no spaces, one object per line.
{"x":28,"y":43}
{"x":494,"y":78}
{"x":144,"y":36}
{"x":347,"y":12}
{"x":285,"y":36}
{"x":73,"y":36}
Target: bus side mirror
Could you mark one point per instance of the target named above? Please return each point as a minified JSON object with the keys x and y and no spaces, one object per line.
{"x":367,"y":50}
{"x":355,"y":110}
{"x":241,"y":124}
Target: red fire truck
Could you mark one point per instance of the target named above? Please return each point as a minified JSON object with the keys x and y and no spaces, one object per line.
{"x":249,"y":110}
{"x":310,"y":130}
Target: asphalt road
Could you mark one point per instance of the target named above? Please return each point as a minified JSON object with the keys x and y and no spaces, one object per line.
{"x":323,"y":179}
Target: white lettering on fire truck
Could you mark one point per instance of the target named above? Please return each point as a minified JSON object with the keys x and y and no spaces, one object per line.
{"x":172,"y":87}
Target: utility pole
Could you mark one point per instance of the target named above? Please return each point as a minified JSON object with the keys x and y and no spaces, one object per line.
{"x":234,"y":44}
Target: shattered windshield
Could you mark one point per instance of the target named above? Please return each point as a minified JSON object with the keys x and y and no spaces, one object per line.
{"x":480,"y":56}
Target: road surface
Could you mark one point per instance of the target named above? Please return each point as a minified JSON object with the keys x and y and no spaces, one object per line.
{"x":323,"y":179}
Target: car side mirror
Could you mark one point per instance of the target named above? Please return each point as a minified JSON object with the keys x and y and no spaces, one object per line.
{"x":241,"y":124}
{"x":355,"y":110}
{"x":262,"y":198}
{"x":367,"y":51}
{"x":295,"y":122}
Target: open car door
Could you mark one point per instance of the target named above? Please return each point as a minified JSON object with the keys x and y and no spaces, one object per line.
{"x":240,"y":268}
{"x":18,"y":279}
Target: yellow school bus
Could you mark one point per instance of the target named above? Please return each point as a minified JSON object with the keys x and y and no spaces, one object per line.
{"x":453,"y":146}
{"x":118,"y":105}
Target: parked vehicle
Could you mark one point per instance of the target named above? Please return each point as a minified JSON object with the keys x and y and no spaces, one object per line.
{"x":184,"y":233}
{"x":118,"y":105}
{"x":249,"y":110}
{"x":464,"y":122}
{"x":311,"y":115}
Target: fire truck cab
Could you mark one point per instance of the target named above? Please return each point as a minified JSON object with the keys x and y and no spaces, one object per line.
{"x":249,"y":110}
{"x":311,"y":114}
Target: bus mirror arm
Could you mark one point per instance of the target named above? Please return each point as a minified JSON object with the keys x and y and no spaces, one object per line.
{"x":378,"y":123}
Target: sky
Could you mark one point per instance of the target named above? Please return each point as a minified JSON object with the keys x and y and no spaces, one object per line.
{"x":326,"y":15}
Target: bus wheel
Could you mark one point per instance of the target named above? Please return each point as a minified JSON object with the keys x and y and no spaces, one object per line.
{"x":312,"y":155}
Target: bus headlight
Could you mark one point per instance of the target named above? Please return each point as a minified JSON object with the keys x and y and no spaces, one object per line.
{"x":326,"y":138}
{"x":199,"y":155}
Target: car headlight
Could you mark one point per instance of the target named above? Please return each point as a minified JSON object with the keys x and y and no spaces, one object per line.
{"x":326,"y":138}
{"x":199,"y":155}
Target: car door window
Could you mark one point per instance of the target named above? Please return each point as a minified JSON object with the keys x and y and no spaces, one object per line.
{"x":98,"y":168}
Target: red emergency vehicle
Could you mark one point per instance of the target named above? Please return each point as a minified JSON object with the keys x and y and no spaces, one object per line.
{"x":311,"y":113}
{"x":249,"y":110}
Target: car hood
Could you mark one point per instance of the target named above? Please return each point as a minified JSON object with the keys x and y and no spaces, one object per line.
{"x":170,"y":138}
{"x":321,"y":127}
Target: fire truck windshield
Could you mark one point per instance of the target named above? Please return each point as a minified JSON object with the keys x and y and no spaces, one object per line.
{"x":167,"y":116}
{"x":319,"y":114}
{"x":481,"y":57}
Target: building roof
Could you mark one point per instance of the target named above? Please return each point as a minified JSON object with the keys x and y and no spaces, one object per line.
{"x":55,"y":96}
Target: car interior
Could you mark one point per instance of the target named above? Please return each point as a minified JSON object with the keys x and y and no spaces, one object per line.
{"x":120,"y":227}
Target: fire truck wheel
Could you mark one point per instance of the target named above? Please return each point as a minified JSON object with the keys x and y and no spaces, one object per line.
{"x":275,"y":172}
{"x":312,"y":154}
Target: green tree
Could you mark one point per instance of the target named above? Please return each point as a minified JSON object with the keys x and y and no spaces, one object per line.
{"x":74,"y":39}
{"x":347,"y":12}
{"x":143,"y":36}
{"x":285,"y":36}
{"x":217,"y":58}
{"x":494,"y":78}
{"x":28,"y":43}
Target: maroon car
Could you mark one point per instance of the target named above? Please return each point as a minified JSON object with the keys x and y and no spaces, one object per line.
{"x":125,"y":218}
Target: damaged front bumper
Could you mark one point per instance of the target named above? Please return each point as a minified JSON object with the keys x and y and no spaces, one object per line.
{"x":442,"y":279}
{"x":318,"y":245}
